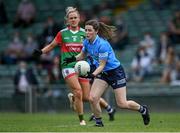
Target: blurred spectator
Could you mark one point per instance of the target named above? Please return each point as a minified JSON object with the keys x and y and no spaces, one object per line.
{"x":14,"y":51}
{"x":175,"y":75}
{"x":174,"y":28}
{"x":141,"y":65}
{"x":24,"y":80}
{"x":163,"y":45}
{"x":46,"y":59}
{"x":3,"y":14}
{"x":121,"y":38}
{"x":50,"y":30}
{"x":29,"y":46}
{"x":41,"y":74}
{"x":170,"y":66}
{"x":149,"y":43}
{"x":55,"y":75}
{"x":25,"y":15}
{"x":54,"y":79}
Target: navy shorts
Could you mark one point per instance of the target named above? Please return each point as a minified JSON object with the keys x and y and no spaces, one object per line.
{"x":116,"y":78}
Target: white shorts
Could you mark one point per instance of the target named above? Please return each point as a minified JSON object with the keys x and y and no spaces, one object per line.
{"x":68,"y":72}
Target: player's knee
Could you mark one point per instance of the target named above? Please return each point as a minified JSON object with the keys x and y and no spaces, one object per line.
{"x":90,"y":99}
{"x":122,"y":105}
{"x":78,"y":93}
{"x":93,"y":99}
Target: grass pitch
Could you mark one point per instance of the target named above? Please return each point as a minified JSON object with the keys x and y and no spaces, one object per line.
{"x":68,"y":122}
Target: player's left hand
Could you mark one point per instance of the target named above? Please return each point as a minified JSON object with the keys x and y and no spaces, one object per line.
{"x":69,"y":60}
{"x":36,"y":53}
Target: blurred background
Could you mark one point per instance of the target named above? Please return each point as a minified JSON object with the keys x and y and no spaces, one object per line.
{"x":147,"y":44}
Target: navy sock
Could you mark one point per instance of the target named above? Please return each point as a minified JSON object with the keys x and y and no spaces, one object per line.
{"x":98,"y":120}
{"x":142,"y":110}
{"x":109,"y":109}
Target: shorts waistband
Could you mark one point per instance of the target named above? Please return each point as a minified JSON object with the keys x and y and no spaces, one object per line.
{"x":108,"y":71}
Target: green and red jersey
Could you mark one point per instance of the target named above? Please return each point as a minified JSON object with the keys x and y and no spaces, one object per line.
{"x":70,"y":43}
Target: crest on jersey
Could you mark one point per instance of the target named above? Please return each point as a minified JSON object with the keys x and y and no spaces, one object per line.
{"x":67,"y":72}
{"x":74,"y":38}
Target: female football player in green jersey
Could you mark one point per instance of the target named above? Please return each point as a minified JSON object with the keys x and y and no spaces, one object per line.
{"x":70,"y":42}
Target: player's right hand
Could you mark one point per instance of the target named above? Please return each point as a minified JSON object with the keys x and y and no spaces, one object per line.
{"x":37,"y":53}
{"x":89,"y":76}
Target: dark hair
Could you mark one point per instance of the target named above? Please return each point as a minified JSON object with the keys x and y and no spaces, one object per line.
{"x":104,"y":31}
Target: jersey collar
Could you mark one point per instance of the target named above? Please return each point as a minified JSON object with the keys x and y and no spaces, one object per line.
{"x":69,"y":28}
{"x":95,"y":40}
